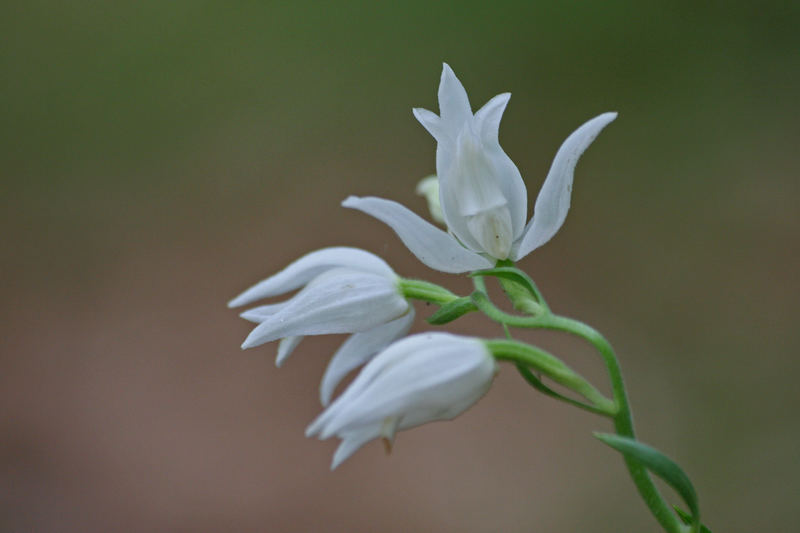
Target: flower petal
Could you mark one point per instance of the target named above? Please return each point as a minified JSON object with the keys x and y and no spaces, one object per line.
{"x":310,"y":266}
{"x":358,"y":349}
{"x":506,"y":173}
{"x":261,"y":313}
{"x":454,"y":108}
{"x":553,"y":201}
{"x":352,"y":441}
{"x":285,"y":348}
{"x":426,"y":377}
{"x":430,"y":121}
{"x":341,"y":300}
{"x":432,"y":246}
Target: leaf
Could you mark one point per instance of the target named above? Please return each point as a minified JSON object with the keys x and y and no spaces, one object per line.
{"x":451,"y":311}
{"x":535,"y":382}
{"x":659,"y":464}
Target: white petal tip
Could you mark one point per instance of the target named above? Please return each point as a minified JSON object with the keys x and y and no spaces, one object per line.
{"x":312,"y":429}
{"x":236,"y":302}
{"x":249,"y":316}
{"x":325,"y":398}
{"x":607,"y":118}
{"x":350,"y":201}
{"x":251,"y":342}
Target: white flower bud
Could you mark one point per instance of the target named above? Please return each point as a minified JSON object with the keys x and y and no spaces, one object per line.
{"x":419,"y":379}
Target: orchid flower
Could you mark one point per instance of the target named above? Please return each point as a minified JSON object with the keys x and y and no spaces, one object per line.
{"x":483,"y":198}
{"x":347,"y":290}
{"x":419,"y":379}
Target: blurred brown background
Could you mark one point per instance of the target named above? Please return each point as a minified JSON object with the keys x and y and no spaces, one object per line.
{"x":158,"y":157}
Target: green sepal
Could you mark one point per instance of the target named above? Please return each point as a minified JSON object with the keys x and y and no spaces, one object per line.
{"x":686,"y":518}
{"x":660,"y":465}
{"x":451,"y":311}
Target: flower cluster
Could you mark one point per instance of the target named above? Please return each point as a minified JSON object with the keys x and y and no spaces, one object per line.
{"x":479,"y":195}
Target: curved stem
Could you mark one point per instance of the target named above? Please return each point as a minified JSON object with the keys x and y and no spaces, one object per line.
{"x":541,"y":317}
{"x":623,"y":420}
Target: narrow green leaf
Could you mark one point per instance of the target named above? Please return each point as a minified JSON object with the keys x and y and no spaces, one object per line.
{"x":686,"y":518}
{"x":451,"y":311}
{"x":534,"y":381}
{"x":659,"y":464}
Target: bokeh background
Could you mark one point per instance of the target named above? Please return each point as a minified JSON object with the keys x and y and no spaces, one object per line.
{"x":158,"y":157}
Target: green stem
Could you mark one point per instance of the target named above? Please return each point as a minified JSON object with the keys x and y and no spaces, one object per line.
{"x":541,"y":317}
{"x":623,"y":421}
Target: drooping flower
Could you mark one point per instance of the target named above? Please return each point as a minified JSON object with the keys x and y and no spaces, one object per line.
{"x":418,"y":379}
{"x":345,"y":290}
{"x":482,"y":195}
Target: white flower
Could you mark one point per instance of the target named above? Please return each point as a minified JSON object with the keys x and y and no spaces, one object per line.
{"x":347,"y":290}
{"x":483,"y":198}
{"x":419,"y":379}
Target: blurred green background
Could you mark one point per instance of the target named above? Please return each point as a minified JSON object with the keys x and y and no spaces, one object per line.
{"x":158,"y":157}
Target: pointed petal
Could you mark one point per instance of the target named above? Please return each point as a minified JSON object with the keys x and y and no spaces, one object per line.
{"x":432,"y":246}
{"x":310,"y":266}
{"x":358,"y":349}
{"x":430,"y":121}
{"x":453,"y":102}
{"x":487,"y":119}
{"x":339,"y":301}
{"x":351,"y":443}
{"x":487,"y":122}
{"x":286,"y":347}
{"x":553,"y":201}
{"x":259,"y":314}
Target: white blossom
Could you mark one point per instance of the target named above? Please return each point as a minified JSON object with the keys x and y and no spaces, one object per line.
{"x":346,"y":290}
{"x":483,"y":198}
{"x":418,"y":379}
